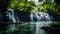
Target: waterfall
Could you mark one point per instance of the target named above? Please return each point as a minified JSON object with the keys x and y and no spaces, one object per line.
{"x":43,"y":19}
{"x":31,"y":17}
{"x":32,"y":26}
{"x":40,"y":16}
{"x":12,"y":15}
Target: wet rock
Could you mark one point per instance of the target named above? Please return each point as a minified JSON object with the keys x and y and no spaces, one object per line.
{"x":53,"y":29}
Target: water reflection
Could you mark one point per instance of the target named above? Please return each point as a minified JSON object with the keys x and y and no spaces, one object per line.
{"x":39,"y":25}
{"x":24,"y":29}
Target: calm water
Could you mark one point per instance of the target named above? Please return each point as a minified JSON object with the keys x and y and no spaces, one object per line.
{"x":22,"y":29}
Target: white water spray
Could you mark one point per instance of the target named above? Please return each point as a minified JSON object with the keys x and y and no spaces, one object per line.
{"x":11,"y":15}
{"x":43,"y":19}
{"x":12,"y":18}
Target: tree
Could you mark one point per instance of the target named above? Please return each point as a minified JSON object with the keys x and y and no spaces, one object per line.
{"x":53,"y":8}
{"x":21,"y":5}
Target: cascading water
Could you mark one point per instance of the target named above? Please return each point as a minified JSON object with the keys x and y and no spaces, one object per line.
{"x":31,"y":17}
{"x":43,"y":19}
{"x":41,"y":16}
{"x":32,"y":27}
{"x":12,"y":15}
{"x":40,"y":19}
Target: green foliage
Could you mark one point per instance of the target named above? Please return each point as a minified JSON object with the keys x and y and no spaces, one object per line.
{"x":52,"y":6}
{"x":25,"y":5}
{"x":22,"y":5}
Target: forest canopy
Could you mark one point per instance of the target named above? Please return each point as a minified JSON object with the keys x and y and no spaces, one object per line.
{"x":27,"y":6}
{"x":24,"y":5}
{"x":30,"y":5}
